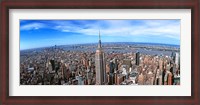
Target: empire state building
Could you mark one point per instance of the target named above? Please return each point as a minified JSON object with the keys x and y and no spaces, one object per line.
{"x":100,"y":65}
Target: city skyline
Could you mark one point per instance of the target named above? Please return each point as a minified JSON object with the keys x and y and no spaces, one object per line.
{"x":111,"y":64}
{"x":44,"y":33}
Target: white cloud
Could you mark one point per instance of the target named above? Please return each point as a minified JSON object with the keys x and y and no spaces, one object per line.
{"x":163,"y":28}
{"x":32,"y":26}
{"x":166,"y":28}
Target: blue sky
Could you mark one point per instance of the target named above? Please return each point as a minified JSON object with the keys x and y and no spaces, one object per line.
{"x":43,"y":33}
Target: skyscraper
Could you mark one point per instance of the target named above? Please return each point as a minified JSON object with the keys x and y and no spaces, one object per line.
{"x":137,"y":58}
{"x":115,"y":64}
{"x":100,"y":65}
{"x":177,"y":59}
{"x":112,"y":67}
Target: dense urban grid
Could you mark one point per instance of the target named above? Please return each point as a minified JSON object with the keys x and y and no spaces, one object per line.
{"x":121,"y":63}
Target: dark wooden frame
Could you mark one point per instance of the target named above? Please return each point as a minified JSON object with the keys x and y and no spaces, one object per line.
{"x":5,"y":99}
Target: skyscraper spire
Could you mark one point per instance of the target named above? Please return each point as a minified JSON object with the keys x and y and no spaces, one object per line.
{"x":99,"y":35}
{"x":99,"y":45}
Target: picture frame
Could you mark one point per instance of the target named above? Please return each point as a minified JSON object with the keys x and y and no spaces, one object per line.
{"x":6,"y":5}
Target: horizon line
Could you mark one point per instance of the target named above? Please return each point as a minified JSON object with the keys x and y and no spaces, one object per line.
{"x":97,"y":43}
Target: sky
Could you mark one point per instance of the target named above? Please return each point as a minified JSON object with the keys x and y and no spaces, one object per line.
{"x":44,"y":33}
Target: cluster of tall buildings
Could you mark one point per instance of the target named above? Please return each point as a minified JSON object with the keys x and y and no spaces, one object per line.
{"x":146,"y":70}
{"x":56,"y":66}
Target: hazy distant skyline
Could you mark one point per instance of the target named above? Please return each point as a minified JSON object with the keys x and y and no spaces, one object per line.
{"x":43,"y":33}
